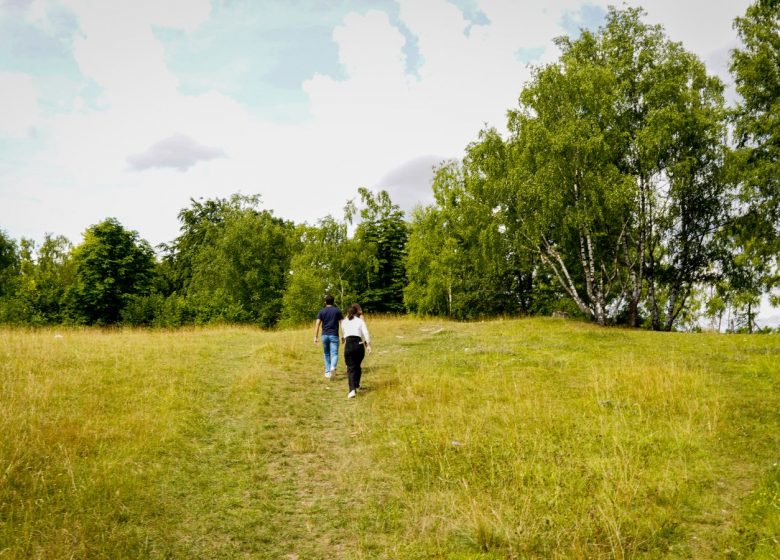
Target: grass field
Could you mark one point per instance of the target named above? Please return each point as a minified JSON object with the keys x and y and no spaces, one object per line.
{"x":535,"y":438}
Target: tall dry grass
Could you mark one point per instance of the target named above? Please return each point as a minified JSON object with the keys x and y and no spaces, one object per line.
{"x":506,"y":439}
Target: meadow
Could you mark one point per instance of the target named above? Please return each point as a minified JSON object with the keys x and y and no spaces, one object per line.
{"x":528,"y":438}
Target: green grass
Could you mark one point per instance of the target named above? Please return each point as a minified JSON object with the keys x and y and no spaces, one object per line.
{"x":535,"y":438}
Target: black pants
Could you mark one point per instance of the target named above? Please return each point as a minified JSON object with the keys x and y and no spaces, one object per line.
{"x":354,"y":352}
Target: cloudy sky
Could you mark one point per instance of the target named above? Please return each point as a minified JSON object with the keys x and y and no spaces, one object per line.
{"x":127,"y":109}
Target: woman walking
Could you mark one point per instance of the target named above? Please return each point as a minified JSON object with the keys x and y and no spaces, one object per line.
{"x":354,"y":335}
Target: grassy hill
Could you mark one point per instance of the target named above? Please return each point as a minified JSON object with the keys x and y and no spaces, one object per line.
{"x":535,"y":438}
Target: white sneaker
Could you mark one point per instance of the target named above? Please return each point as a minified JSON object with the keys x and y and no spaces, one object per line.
{"x":351,"y":395}
{"x":327,"y":374}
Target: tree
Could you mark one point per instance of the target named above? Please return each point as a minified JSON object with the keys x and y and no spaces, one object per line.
{"x":617,"y":153}
{"x":755,"y":161}
{"x":257,"y":248}
{"x":383,"y":233}
{"x":432,"y":261}
{"x":756,"y":69}
{"x":111,"y":265}
{"x":461,"y":261}
{"x":9,"y":265}
{"x":9,"y":279}
{"x":329,"y":262}
{"x":676,"y":122}
{"x":47,"y":274}
{"x":239,"y":261}
{"x":431,"y":264}
{"x":574,"y":203}
{"x":200,"y":226}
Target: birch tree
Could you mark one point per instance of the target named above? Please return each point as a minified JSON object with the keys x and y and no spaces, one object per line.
{"x":618,"y":151}
{"x":575,"y":204}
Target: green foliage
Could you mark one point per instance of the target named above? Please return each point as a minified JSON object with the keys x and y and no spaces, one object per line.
{"x":461,"y":262}
{"x":10,"y":308}
{"x":615,"y":155}
{"x":200,"y":225}
{"x":48,"y":274}
{"x":367,"y":268}
{"x":9,"y":265}
{"x":756,"y":70}
{"x":240,"y":274}
{"x":328,"y":262}
{"x":229,"y":264}
{"x":382,"y":234}
{"x":753,"y":236}
{"x":111,"y":265}
{"x":303,"y":296}
{"x":610,"y":183}
{"x":430,"y":264}
{"x":149,"y":310}
{"x":9,"y":278}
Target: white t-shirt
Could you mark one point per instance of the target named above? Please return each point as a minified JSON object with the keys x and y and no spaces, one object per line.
{"x":355,"y":327}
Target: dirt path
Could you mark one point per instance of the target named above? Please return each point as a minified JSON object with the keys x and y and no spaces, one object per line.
{"x":274,"y":445}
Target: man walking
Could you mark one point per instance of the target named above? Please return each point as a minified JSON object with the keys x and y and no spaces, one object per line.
{"x":329,"y":318}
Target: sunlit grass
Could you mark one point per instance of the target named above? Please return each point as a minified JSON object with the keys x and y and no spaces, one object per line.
{"x":505,"y":439}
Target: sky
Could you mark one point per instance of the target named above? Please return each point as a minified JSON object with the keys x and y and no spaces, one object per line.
{"x":128,"y":110}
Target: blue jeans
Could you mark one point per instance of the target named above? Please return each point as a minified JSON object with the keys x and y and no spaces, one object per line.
{"x":330,"y":346}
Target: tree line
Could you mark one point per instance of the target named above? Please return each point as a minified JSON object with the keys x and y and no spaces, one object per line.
{"x":626,"y":191}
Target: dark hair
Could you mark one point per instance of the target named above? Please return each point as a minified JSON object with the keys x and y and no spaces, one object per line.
{"x":329,"y":300}
{"x":354,"y":311}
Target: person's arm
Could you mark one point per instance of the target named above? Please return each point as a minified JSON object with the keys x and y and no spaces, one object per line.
{"x":366,"y":337}
{"x":317,"y":324}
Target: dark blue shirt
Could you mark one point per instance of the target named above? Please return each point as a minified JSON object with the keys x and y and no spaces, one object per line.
{"x":330,"y":317}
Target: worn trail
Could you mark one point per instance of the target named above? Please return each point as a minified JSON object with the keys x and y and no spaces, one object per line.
{"x":270,"y":441}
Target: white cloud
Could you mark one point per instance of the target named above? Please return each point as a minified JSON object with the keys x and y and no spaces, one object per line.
{"x":463,"y":82}
{"x":177,"y":152}
{"x":383,"y":60}
{"x":704,"y":27}
{"x":19,"y":111}
{"x":118,"y":49}
{"x":37,"y":14}
{"x":468,"y":77}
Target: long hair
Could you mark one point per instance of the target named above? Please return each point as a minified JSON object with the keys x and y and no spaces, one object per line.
{"x":354,"y":311}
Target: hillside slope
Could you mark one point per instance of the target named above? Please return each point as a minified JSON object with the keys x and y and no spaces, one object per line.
{"x":506,"y":439}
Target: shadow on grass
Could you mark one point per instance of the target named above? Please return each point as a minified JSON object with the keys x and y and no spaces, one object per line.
{"x":372,"y":382}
